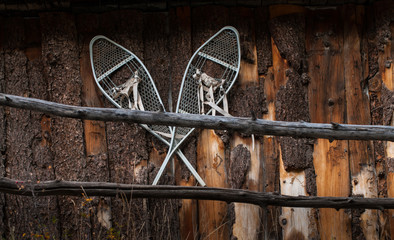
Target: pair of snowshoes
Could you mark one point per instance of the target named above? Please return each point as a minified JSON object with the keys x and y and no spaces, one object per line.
{"x":209,"y":75}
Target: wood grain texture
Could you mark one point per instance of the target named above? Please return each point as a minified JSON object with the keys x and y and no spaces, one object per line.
{"x":388,"y":80}
{"x":272,"y":229}
{"x":248,"y":222}
{"x":211,"y":166}
{"x":94,"y":131}
{"x":324,"y":41}
{"x":164,"y":213}
{"x":211,"y":162}
{"x":288,"y":51}
{"x":180,"y":51}
{"x":290,"y":182}
{"x":364,"y":181}
{"x":271,"y":178}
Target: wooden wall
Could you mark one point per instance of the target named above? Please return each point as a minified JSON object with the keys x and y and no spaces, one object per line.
{"x":298,"y":64}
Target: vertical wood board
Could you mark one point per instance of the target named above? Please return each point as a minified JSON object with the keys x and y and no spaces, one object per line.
{"x":324,"y":41}
{"x":2,"y":123}
{"x":247,"y":223}
{"x":357,"y":112}
{"x":61,"y":70}
{"x":128,"y":144}
{"x":211,"y":164}
{"x":180,"y":51}
{"x":94,"y":131}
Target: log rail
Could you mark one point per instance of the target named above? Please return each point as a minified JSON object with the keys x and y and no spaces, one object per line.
{"x":246,"y":125}
{"x":89,"y":189}
{"x":332,"y":131}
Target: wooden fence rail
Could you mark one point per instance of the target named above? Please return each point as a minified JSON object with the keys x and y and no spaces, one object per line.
{"x":333,"y":131}
{"x":49,"y":188}
{"x":247,"y":125}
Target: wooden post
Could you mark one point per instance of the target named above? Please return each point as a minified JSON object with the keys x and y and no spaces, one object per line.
{"x":324,"y":44}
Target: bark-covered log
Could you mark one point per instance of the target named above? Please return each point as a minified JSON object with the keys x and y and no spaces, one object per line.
{"x":73,"y":188}
{"x":333,"y":131}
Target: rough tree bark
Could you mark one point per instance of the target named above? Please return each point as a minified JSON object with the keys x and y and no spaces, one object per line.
{"x":270,"y":154}
{"x":287,"y":26}
{"x":164,"y":213}
{"x":97,"y":168}
{"x":61,"y":71}
{"x":27,"y":140}
{"x":3,"y":133}
{"x":128,"y":143}
{"x":245,"y":167}
{"x":47,"y":58}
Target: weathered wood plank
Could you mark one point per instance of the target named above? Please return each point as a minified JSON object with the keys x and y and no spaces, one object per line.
{"x":388,"y":81}
{"x":324,"y":43}
{"x":61,"y":71}
{"x":390,"y":164}
{"x":180,"y":42}
{"x":27,"y":155}
{"x":128,"y":150}
{"x":272,"y":229}
{"x":97,"y":168}
{"x":3,"y":132}
{"x":164,"y":213}
{"x":247,"y":96}
{"x":377,"y":29}
{"x":211,"y":161}
{"x":287,"y":27}
{"x":270,"y":216}
{"x":211,"y":166}
{"x":363,"y":178}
